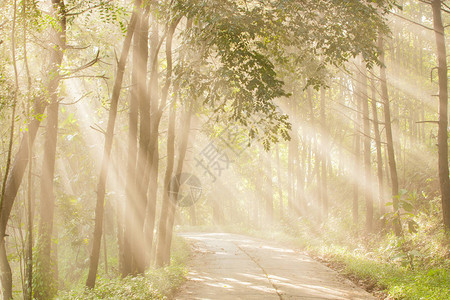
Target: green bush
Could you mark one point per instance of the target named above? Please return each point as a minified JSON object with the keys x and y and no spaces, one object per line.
{"x":154,"y":284}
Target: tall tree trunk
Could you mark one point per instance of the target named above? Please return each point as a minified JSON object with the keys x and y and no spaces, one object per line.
{"x":268,"y":195}
{"x":325,"y":148}
{"x":145,"y":157}
{"x":186,"y":125}
{"x":367,"y":149}
{"x":443,"y":113}
{"x":153,"y":146}
{"x":166,"y":202}
{"x":357,"y":161}
{"x":130,"y":187}
{"x":376,"y":131}
{"x":300,"y":176}
{"x":46,"y":266}
{"x":120,"y":211}
{"x":315,"y":150}
{"x":389,"y":139}
{"x":101,"y":186}
{"x":47,"y":289}
{"x":280,"y":186}
{"x":291,"y":146}
{"x":6,"y":275}
{"x":28,"y":293}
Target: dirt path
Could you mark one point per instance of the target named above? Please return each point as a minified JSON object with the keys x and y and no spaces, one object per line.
{"x":230,"y":266}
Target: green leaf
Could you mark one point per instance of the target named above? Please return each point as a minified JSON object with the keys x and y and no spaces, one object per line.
{"x":406,"y":206}
{"x":412,"y":226}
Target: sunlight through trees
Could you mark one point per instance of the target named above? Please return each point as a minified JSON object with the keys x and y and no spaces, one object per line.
{"x":127,"y":121}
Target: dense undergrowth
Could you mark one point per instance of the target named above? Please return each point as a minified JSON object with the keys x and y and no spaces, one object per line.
{"x":413,"y":266}
{"x":154,"y":284}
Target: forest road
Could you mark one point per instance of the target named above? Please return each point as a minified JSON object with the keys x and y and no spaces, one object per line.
{"x":231,"y":266}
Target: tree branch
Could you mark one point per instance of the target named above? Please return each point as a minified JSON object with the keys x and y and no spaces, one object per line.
{"x":411,"y":21}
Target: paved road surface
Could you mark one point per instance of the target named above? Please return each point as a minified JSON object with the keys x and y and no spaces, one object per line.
{"x":231,"y":266}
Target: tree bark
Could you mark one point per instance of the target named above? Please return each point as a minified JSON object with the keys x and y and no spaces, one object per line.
{"x":357,"y":160}
{"x":389,"y":139}
{"x":443,"y":113}
{"x":325,"y":147}
{"x":166,"y":202}
{"x":268,"y":189}
{"x":44,"y":245}
{"x":99,"y":209}
{"x":140,"y":244}
{"x":28,"y":291}
{"x":376,"y":131}
{"x":6,"y":275}
{"x":291,"y":146}
{"x":280,"y":186}
{"x":48,"y":287}
{"x":186,"y":125}
{"x":367,"y":149}
{"x":130,"y":229}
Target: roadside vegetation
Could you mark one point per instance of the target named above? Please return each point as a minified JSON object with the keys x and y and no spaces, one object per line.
{"x":415,"y":265}
{"x":156,"y":283}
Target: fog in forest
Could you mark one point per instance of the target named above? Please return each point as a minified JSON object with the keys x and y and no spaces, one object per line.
{"x":224,"y":149}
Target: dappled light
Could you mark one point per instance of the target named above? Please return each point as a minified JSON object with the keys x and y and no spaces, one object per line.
{"x":224,"y":149}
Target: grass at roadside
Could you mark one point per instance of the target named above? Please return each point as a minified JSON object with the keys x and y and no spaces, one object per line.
{"x":154,"y":284}
{"x":387,"y":279}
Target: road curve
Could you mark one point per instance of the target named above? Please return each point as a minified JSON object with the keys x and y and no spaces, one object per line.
{"x":231,"y":266}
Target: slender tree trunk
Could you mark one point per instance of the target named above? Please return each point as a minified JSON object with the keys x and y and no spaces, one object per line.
{"x":131,"y":187}
{"x":367,"y":149}
{"x":186,"y":125}
{"x":443,"y":113}
{"x":48,"y":287}
{"x":144,"y":161}
{"x":325,"y":148}
{"x":99,"y":209}
{"x":300,"y":178}
{"x":291,"y":145}
{"x":357,"y":162}
{"x":105,"y":251}
{"x":120,"y":213}
{"x":44,"y":245}
{"x":28,"y":294}
{"x":29,"y":233}
{"x":6,"y":275}
{"x":167,"y":203}
{"x":280,"y":186}
{"x":376,"y":131}
{"x":269,"y":189}
{"x":217,"y":203}
{"x":315,"y":149}
{"x":389,"y":139}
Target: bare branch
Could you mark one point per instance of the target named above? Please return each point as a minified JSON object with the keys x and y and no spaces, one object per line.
{"x":84,"y":76}
{"x":411,"y":21}
{"x":98,"y":128}
{"x":76,"y":101}
{"x":433,"y":122}
{"x":89,"y":64}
